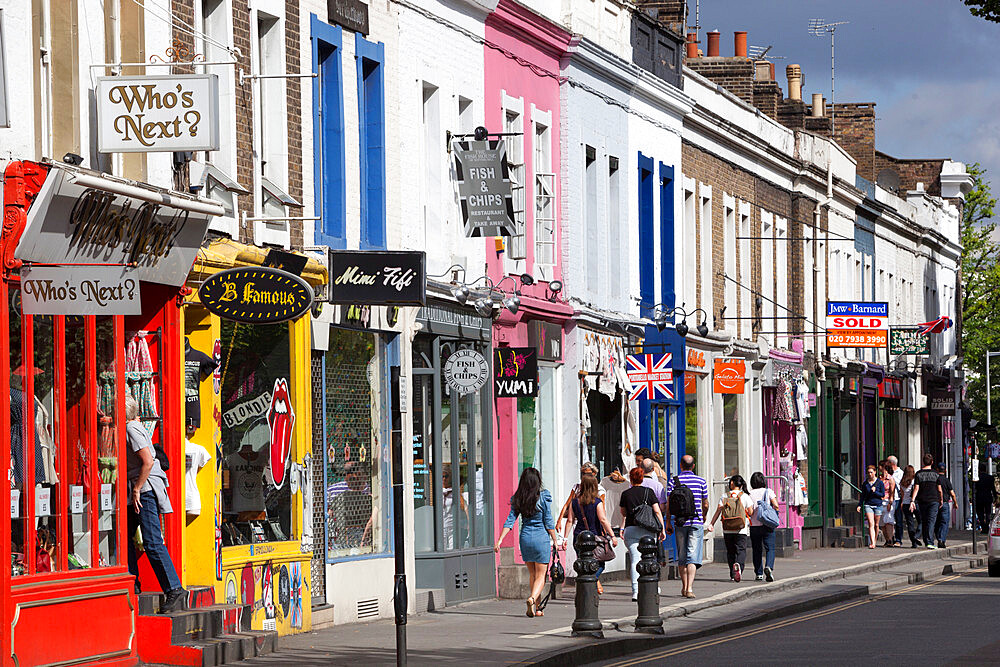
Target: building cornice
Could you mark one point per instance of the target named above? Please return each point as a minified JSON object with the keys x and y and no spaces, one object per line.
{"x":518,"y":21}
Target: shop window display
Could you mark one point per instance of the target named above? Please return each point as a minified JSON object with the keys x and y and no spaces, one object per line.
{"x":257,"y":422}
{"x":354,"y":378}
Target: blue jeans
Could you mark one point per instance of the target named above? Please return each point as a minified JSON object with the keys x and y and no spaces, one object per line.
{"x":632,"y":536}
{"x":943,"y":522}
{"x":762,"y":541}
{"x":152,"y":541}
{"x":928,"y":521}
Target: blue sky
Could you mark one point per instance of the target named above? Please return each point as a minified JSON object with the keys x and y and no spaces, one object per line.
{"x":931,"y":67}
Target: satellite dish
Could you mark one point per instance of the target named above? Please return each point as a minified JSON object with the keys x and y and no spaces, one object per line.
{"x":888,"y":179}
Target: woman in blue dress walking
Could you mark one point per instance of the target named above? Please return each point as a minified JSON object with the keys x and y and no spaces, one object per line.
{"x":533,"y":504}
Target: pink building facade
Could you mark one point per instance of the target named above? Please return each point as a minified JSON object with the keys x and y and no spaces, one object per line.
{"x":522,"y":100}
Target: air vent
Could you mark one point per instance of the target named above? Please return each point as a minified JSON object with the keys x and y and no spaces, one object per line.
{"x":368,"y":608}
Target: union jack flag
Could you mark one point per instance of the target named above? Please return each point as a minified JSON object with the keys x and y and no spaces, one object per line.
{"x":940,"y":325}
{"x":651,"y":376}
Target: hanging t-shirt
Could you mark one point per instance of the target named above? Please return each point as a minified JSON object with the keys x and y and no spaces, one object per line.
{"x":197,"y":367}
{"x":196,"y":457}
{"x":246,"y":480}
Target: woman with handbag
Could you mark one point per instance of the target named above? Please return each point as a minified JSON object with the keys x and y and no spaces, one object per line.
{"x":533,"y":504}
{"x":586,"y":510}
{"x":761,"y":533}
{"x":736,"y":508}
{"x":642,"y":517}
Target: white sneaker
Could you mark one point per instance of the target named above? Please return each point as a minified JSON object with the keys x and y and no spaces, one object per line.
{"x":932,"y":546}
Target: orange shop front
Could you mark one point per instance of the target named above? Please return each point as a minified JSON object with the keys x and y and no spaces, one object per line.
{"x":67,"y":362}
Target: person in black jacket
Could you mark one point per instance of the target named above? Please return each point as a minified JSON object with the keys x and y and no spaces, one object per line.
{"x":927,"y":496}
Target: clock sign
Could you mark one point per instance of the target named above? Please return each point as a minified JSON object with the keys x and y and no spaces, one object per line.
{"x":256,"y":295}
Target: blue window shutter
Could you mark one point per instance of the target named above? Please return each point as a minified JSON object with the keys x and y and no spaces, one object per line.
{"x":646,"y":282}
{"x":329,"y":162}
{"x":371,"y":123}
{"x":667,"y":295}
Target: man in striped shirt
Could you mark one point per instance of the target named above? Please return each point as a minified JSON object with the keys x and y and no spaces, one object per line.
{"x":690,"y":535}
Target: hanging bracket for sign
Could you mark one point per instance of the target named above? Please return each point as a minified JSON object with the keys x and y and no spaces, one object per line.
{"x":299,"y":75}
{"x":479,"y":134}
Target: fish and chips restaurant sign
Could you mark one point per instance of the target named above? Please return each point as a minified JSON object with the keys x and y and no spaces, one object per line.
{"x":89,"y":241}
{"x":148,"y":114}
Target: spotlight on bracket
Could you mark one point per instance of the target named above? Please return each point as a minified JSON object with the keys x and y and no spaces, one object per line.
{"x":512,"y":303}
{"x":555,"y":286}
{"x":526,"y":279}
{"x":73,"y":159}
{"x":660,"y":321}
{"x":484,"y":306}
{"x":703,"y":329}
{"x":682,"y":328}
{"x":461,"y":293}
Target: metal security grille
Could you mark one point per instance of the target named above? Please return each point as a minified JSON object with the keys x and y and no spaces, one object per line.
{"x":318,"y":569}
{"x":352,"y":379}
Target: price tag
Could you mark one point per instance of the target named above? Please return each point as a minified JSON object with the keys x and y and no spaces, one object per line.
{"x":15,"y":504}
{"x":106,"y":497}
{"x":43,"y":498}
{"x":76,"y":499}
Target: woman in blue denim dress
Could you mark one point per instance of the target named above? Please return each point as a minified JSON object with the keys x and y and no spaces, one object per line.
{"x":533,"y":504}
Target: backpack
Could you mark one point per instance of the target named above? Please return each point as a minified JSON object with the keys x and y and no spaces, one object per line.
{"x":161,"y":455}
{"x":680,"y":503}
{"x":766,"y":514}
{"x":734,"y":517}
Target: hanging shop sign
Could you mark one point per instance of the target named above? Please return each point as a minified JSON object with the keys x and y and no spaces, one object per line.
{"x":857,"y":324}
{"x":730,"y":375}
{"x":651,"y":376}
{"x":466,"y":371}
{"x":351,"y":14}
{"x":382,"y":277}
{"x":79,"y":290}
{"x":908,"y":340}
{"x":164,"y":113}
{"x":286,"y":261}
{"x":256,"y":295}
{"x":484,"y":188}
{"x":690,"y":383}
{"x":80,"y":217}
{"x":941,"y":403}
{"x":890,"y":388}
{"x":696,"y":360}
{"x":546,"y":337}
{"x":515,"y":372}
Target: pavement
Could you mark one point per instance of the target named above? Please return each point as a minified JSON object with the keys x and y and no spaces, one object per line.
{"x":498,"y":632}
{"x":950,"y":620}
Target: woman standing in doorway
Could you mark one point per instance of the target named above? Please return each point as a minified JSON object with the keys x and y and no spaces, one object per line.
{"x":873,"y":501}
{"x":533,"y":504}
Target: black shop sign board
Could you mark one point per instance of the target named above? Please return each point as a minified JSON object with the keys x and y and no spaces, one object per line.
{"x":515,"y":372}
{"x":351,"y":14}
{"x":378,"y":277}
{"x":256,"y":295}
{"x":484,"y":188}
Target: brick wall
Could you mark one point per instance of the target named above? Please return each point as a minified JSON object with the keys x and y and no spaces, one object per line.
{"x":854,"y":130}
{"x":244,"y":117}
{"x":911,"y":172}
{"x":792,"y":113}
{"x":672,"y":14}
{"x":733,"y":74}
{"x":767,"y":96}
{"x":727,"y":179}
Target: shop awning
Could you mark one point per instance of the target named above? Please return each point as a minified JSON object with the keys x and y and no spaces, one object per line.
{"x":223,"y":254}
{"x":85,"y":217}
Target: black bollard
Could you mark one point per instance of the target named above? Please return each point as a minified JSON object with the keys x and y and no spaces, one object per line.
{"x":586,"y":623}
{"x":649,"y":620}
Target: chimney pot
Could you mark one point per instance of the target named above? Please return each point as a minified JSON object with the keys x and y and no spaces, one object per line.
{"x":770,"y":70}
{"x":818,"y":110}
{"x":713,"y":44}
{"x":761,"y":70}
{"x":692,"y":45}
{"x":794,"y":74}
{"x":740,"y":43}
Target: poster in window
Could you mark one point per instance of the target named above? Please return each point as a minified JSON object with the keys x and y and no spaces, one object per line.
{"x":515,"y":372}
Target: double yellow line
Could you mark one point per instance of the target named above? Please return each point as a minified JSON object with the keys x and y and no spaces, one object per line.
{"x":781,"y":624}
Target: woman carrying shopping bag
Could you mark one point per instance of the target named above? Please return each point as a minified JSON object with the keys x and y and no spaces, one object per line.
{"x":586,"y":511}
{"x":763,"y":522}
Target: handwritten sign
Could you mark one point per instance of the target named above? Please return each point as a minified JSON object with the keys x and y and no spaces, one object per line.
{"x":257,"y":295}
{"x":43,"y":501}
{"x":15,"y":504}
{"x":106,"y":497}
{"x":76,"y":499}
{"x":147,"y":114}
{"x":378,"y":277}
{"x":79,"y":290}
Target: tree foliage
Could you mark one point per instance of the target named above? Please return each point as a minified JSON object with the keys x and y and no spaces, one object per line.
{"x":980,"y":287}
{"x":987,"y":9}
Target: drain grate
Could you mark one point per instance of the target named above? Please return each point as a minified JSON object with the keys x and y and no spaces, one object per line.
{"x":368,"y":608}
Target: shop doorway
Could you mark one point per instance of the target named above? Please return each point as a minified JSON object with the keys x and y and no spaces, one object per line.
{"x":605,"y":442}
{"x":667,"y":436}
{"x":452,"y":477}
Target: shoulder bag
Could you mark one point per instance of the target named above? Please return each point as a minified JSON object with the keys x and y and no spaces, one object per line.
{"x":645,"y":517}
{"x":604,"y":551}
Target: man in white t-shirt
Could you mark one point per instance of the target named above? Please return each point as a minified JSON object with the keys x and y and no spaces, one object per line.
{"x":897,"y":508}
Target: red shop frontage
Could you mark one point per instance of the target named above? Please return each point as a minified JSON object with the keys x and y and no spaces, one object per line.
{"x":92,"y":271}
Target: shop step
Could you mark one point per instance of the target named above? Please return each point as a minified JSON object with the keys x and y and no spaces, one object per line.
{"x":198,"y":596}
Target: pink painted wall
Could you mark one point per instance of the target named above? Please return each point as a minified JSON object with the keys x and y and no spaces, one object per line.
{"x":522,"y":59}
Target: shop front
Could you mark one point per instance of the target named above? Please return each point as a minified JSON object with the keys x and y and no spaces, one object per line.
{"x":93,"y":268}
{"x":703,"y":405}
{"x":661,"y":419}
{"x":249,"y":405}
{"x":452,"y":416}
